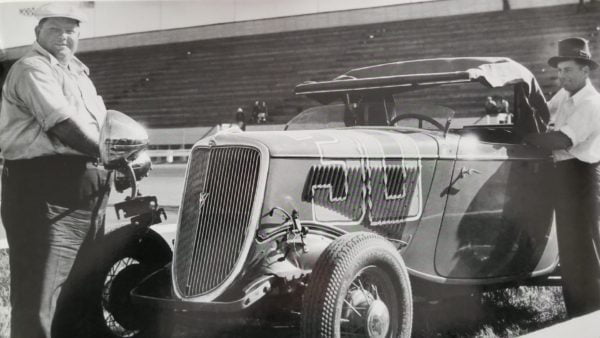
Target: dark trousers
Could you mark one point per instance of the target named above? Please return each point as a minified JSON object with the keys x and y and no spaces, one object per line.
{"x":52,"y":210}
{"x":578,"y":228}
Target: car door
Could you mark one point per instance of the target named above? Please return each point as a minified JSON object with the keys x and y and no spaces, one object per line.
{"x":498,"y":214}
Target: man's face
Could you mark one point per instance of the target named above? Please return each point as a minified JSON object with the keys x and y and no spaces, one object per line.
{"x":59,"y":36}
{"x":572,"y":76}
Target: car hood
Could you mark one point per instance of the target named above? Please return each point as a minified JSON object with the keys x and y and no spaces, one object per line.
{"x":339,"y":143}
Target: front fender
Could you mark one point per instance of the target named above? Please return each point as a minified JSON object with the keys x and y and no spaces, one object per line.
{"x":121,"y":237}
{"x":166,"y":232}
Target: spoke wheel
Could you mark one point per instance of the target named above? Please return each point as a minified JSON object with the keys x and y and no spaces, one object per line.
{"x":120,"y":279}
{"x":359,"y":288}
{"x":128,"y":257}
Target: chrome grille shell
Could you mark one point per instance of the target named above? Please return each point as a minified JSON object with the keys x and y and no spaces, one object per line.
{"x":220,"y":210}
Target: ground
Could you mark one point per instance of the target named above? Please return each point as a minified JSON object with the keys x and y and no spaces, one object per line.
{"x":503,"y":313}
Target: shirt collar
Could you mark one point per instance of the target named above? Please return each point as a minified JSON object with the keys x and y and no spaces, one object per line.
{"x":75,"y":64}
{"x":583,"y":92}
{"x":40,"y":50}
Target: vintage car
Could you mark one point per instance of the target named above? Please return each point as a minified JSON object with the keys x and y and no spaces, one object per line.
{"x":379,"y":196}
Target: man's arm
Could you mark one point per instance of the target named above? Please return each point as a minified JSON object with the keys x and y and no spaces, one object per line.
{"x":553,"y":140}
{"x":69,"y":133}
{"x":44,"y":96}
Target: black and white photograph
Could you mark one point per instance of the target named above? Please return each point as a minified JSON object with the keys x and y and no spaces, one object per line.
{"x":285,"y":168}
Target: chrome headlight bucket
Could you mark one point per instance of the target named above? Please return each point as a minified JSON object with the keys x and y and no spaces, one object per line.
{"x":122,"y":141}
{"x":121,"y":138}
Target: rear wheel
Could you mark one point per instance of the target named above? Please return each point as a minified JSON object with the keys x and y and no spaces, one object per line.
{"x":359,"y":287}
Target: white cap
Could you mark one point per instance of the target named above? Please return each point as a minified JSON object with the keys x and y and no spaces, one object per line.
{"x":60,"y":10}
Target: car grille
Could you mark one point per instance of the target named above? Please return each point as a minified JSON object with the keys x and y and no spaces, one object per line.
{"x":215,"y":217}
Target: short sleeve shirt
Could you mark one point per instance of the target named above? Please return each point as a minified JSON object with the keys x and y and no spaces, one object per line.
{"x":578,"y":117}
{"x":39,"y":93}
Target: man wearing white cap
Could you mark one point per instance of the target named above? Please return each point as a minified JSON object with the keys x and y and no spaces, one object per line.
{"x":53,"y":192}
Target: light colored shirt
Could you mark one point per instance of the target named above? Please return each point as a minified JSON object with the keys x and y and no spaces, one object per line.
{"x":39,"y":93}
{"x":578,"y":117}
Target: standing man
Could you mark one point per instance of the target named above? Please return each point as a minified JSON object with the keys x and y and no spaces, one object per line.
{"x":53,"y":192}
{"x":575,"y":142}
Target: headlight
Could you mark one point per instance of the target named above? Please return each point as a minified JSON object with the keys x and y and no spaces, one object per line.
{"x":141,"y":165}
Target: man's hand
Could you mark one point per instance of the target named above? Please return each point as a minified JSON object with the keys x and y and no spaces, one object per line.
{"x":553,"y":140}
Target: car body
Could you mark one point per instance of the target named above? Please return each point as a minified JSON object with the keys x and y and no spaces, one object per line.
{"x":459,"y":205}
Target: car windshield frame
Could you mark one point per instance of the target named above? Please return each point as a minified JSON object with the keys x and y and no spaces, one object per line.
{"x":362,"y":88}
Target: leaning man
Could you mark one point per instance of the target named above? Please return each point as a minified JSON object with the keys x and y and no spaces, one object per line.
{"x":575,"y":142}
{"x":53,"y":191}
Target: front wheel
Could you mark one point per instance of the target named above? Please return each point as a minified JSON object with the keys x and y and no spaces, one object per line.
{"x":128,"y":258}
{"x":359,"y":287}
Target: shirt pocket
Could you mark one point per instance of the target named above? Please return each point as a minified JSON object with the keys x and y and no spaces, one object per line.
{"x":70,"y":86}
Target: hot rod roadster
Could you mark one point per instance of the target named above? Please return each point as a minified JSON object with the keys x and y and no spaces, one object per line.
{"x":344,"y":216}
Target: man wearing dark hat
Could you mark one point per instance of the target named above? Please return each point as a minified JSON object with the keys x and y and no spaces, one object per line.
{"x":575,"y":142}
{"x":53,"y":192}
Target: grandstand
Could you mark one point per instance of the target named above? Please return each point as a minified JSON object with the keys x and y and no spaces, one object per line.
{"x":198,"y":84}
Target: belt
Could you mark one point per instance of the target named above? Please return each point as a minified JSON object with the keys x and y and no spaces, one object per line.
{"x":52,"y":162}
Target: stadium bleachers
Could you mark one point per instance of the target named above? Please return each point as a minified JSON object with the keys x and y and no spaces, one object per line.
{"x":201,"y":83}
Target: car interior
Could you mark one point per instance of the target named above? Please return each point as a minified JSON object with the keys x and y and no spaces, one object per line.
{"x":506,"y":114}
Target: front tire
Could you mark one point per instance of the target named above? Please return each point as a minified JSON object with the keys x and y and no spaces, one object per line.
{"x":130,"y":254}
{"x":359,"y":287}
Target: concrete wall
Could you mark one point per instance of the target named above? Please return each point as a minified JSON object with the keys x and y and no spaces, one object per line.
{"x":108,"y":18}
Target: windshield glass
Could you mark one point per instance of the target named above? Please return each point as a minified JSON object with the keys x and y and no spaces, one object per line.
{"x":472,"y":104}
{"x":320,"y":117}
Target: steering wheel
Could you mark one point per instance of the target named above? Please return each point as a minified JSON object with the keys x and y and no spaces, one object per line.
{"x":419,"y":118}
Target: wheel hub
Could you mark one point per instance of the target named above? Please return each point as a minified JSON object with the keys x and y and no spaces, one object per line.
{"x":378,"y":319}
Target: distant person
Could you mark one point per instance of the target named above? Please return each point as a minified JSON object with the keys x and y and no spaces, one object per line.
{"x":575,"y":144}
{"x":240,"y":119}
{"x":490,"y":106}
{"x":497,"y":108}
{"x":263,"y":113}
{"x":255,"y":111}
{"x":504,"y":115}
{"x":581,"y":7}
{"x":503,"y":105}
{"x":54,"y":193}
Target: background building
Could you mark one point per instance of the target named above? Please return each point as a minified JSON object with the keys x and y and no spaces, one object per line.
{"x":173,"y":64}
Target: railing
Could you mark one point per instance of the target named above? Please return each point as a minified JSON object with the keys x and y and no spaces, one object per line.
{"x":168,"y":155}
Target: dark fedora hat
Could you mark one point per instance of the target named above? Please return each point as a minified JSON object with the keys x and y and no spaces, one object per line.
{"x":573,"y":49}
